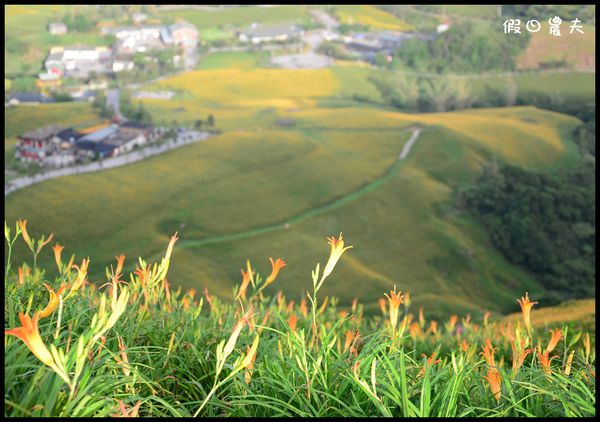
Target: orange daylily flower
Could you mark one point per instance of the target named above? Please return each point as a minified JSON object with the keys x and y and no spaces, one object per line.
{"x":519,"y":358}
{"x":124,"y":360}
{"x":275,"y":267}
{"x":337,"y":249}
{"x":23,"y":272}
{"x":53,"y":302}
{"x":245,"y":281}
{"x":488,"y":353}
{"x":349,"y":338}
{"x":526,"y":306}
{"x":494,"y":379}
{"x":406,"y":299}
{"x":23,"y":225}
{"x":303,"y":308}
{"x":464,"y":346}
{"x":237,"y":329}
{"x":556,"y":336}
{"x":382,"y":306}
{"x":29,"y":333}
{"x":43,"y":242}
{"x":131,"y":413}
{"x":568,"y":364}
{"x":421,"y":317}
{"x":395,"y":301}
{"x":545,"y":360}
{"x":430,"y":362}
{"x":432,"y":327}
{"x":292,"y":322}
{"x":81,"y":274}
{"x":57,"y":255}
{"x":587,"y":345}
{"x":248,"y":361}
{"x":486,"y":316}
{"x":415,"y":330}
{"x":120,"y":259}
{"x":451,"y":323}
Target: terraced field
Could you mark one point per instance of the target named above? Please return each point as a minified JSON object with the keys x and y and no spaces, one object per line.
{"x":262,"y":174}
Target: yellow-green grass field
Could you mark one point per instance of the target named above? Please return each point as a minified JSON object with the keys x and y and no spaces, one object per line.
{"x":335,"y":170}
{"x":233,"y":59}
{"x":577,"y":50}
{"x":369,"y":15}
{"x":28,"y":26}
{"x":238,"y":17}
{"x":22,"y":119}
{"x":581,"y":314}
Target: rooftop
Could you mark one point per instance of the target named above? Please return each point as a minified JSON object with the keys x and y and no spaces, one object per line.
{"x":43,"y":132}
{"x":99,"y":135}
{"x":272,"y":30}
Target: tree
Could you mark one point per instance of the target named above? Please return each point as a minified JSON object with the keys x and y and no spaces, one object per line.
{"x":211,"y":120}
{"x":198,"y":124}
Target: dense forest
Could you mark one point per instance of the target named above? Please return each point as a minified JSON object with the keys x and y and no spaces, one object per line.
{"x":470,"y":47}
{"x":544,"y":223}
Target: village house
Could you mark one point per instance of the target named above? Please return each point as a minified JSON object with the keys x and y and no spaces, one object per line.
{"x":138,"y":18}
{"x":144,"y":129}
{"x":258,"y":34}
{"x":115,"y":139}
{"x":183,"y":34}
{"x":78,"y":61}
{"x":28,"y":98}
{"x":58,"y":28}
{"x":133,"y":39}
{"x":34,"y":146}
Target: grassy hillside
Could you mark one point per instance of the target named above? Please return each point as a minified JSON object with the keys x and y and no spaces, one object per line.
{"x":580,"y":314}
{"x":238,"y":60}
{"x":334,"y":170}
{"x":370,"y":16}
{"x":578,"y":51}
{"x":217,"y":24}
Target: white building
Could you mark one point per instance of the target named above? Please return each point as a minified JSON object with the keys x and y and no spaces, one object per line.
{"x":58,"y":28}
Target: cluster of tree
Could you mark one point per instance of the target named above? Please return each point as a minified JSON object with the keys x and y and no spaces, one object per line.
{"x":78,"y":21}
{"x":543,"y":223}
{"x":210,"y":121}
{"x":129,"y":110}
{"x":99,"y":104}
{"x":469,"y":48}
{"x":423,"y":94}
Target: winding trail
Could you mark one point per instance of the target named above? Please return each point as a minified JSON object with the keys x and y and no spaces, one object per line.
{"x":335,"y":203}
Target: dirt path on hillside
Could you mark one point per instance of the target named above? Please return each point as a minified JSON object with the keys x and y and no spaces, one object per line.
{"x":335,"y":203}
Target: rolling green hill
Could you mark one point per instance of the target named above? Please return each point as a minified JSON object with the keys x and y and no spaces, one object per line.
{"x":334,"y":170}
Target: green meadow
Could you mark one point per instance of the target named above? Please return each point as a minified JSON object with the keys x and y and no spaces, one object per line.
{"x":263,"y":189}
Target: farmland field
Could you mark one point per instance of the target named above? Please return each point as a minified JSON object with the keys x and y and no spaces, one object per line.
{"x":370,"y":16}
{"x":230,"y":197}
{"x":239,"y":60}
{"x":578,"y":51}
{"x":239,"y":17}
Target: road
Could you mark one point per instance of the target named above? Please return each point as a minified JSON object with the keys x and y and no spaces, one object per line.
{"x":112,"y":102}
{"x":183,"y":139}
